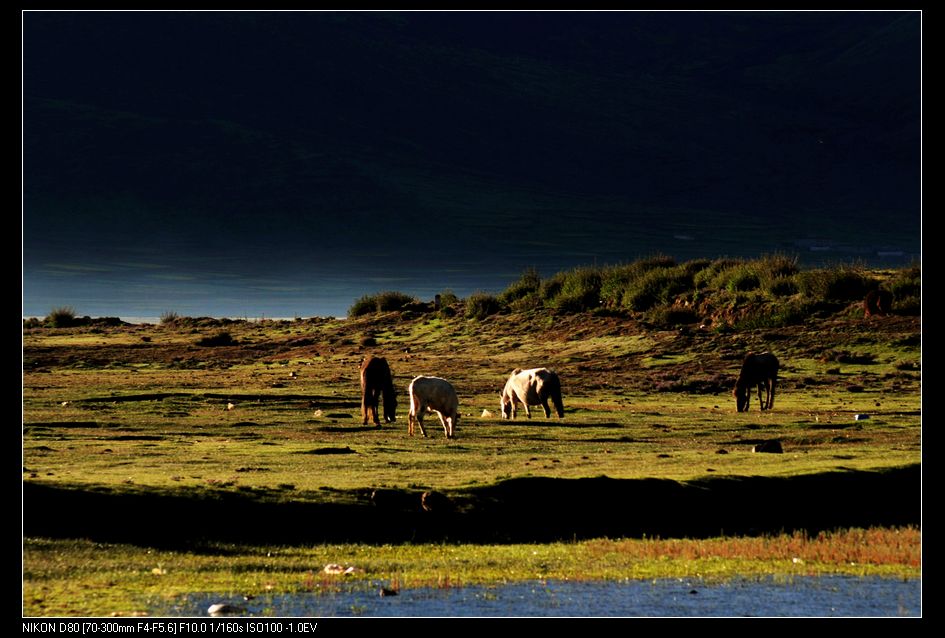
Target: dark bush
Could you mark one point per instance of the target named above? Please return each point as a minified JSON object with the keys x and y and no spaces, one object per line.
{"x":741,"y":277}
{"x":841,"y":283}
{"x":655,"y":287}
{"x":617,"y":280}
{"x":580,"y":291}
{"x":393,"y":300}
{"x":363,"y":306}
{"x":61,"y":317}
{"x":218,"y":339}
{"x":169,"y":317}
{"x":781,"y":287}
{"x":906,"y":289}
{"x":908,"y":306}
{"x":480,"y":305}
{"x":551,"y":288}
{"x":706,"y":276}
{"x":380,"y":302}
{"x":672,"y":316}
{"x":448,"y":298}
{"x":528,"y":284}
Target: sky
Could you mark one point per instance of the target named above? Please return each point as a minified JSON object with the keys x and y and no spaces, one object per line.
{"x":282,"y":164}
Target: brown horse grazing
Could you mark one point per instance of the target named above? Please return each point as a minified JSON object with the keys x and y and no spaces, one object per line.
{"x":531,"y":387}
{"x":376,"y":379}
{"x":758,"y":370}
{"x":877,"y":302}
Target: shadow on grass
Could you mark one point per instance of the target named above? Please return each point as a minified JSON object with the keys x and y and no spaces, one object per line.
{"x":530,"y":509}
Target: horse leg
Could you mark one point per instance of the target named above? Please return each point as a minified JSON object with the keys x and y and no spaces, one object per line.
{"x":376,"y":404}
{"x":544,"y":405}
{"x":771,"y":387}
{"x":447,"y":430}
{"x":364,"y":407}
{"x":761,"y":400}
{"x":420,"y":411}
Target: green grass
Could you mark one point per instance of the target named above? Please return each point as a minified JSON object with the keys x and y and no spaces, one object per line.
{"x":105,"y":410}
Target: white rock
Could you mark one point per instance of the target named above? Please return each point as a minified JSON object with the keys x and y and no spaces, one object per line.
{"x":334,"y":568}
{"x":486,"y":414}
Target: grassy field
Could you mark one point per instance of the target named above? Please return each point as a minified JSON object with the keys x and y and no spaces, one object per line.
{"x":274,"y":417}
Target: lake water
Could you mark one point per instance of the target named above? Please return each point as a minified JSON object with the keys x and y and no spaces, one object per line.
{"x":822,"y":596}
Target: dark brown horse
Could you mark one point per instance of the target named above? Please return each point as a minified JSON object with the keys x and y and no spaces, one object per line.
{"x":376,"y":379}
{"x":877,"y":302}
{"x":759,"y":370}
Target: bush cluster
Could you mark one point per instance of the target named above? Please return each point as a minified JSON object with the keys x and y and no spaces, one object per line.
{"x":381,"y":302}
{"x":768,"y":292}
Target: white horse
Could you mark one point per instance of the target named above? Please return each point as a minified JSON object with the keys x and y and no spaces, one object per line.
{"x":531,"y":387}
{"x":433,"y":394}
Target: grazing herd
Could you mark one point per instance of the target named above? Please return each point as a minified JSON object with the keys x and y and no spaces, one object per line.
{"x":536,"y":386}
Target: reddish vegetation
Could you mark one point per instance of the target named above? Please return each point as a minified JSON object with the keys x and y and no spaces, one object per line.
{"x":874,"y":546}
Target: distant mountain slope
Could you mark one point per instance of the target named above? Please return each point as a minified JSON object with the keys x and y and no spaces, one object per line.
{"x":613,"y":131}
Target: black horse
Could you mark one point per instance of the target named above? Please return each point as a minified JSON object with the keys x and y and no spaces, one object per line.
{"x":376,"y":379}
{"x":758,"y":370}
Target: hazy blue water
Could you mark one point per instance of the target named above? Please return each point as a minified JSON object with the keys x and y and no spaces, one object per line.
{"x":827,"y":596}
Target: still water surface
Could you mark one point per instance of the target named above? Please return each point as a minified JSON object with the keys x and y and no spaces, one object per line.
{"x":822,"y":596}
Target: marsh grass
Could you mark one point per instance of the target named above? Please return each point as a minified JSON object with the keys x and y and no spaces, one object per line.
{"x":82,"y":578}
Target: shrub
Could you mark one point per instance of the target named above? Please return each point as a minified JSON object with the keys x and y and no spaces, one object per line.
{"x":707,"y":275}
{"x":778,"y":316}
{"x":448,"y":298}
{"x":61,"y":317}
{"x":907,"y":283}
{"x":551,"y":288}
{"x":657,"y":286}
{"x":740,"y":277}
{"x":380,"y":302}
{"x":781,"y":287}
{"x":218,"y":339}
{"x":839,"y":283}
{"x":615,"y":281}
{"x":670,"y":316}
{"x":528,"y":284}
{"x":169,"y":317}
{"x":580,"y":290}
{"x":362,"y":306}
{"x":776,"y":266}
{"x":910,"y":306}
{"x":392,"y":300}
{"x":480,"y":305}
